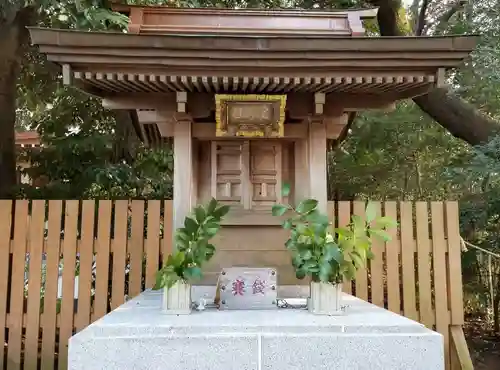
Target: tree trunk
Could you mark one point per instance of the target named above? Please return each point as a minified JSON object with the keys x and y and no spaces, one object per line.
{"x":13,"y":38}
{"x":496,"y":315}
{"x":125,"y":140}
{"x":418,"y":177}
{"x":8,"y":72}
{"x":460,"y":118}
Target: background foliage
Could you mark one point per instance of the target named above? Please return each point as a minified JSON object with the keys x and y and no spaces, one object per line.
{"x":388,"y":155}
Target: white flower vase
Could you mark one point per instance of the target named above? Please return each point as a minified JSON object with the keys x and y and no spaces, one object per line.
{"x":177,"y":299}
{"x":325,"y":299}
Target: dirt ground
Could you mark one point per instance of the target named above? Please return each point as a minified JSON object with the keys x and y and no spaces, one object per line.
{"x":484,"y":345}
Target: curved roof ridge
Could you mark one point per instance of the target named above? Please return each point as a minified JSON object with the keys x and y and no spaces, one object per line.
{"x":368,"y":12}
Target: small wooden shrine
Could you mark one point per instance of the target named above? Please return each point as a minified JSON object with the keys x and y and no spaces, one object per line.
{"x":251,"y":99}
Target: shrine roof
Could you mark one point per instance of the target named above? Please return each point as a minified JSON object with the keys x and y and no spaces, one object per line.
{"x":103,"y":63}
{"x":164,"y":19}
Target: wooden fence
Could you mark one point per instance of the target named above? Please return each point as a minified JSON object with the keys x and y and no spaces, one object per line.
{"x":114,"y":248}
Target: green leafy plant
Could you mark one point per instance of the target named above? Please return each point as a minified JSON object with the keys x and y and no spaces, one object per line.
{"x":192,"y":245}
{"x":325,"y":253}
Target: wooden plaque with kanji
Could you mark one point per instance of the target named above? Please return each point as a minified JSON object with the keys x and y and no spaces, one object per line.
{"x":246,"y":288}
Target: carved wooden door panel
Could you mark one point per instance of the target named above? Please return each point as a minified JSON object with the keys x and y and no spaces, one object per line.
{"x":247,"y":173}
{"x":265,"y":174}
{"x":227,"y":171}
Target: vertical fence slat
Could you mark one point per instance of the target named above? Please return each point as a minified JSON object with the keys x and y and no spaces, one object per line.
{"x":344,"y":214}
{"x":51,"y":285}
{"x":86,"y":259}
{"x":377,"y":268}
{"x":168,"y":236}
{"x":361,"y":282}
{"x":119,"y":253}
{"x":392,"y":251}
{"x":455,"y":288}
{"x":102,"y":259}
{"x":5,"y":225}
{"x":331,"y":212}
{"x":439,"y":268}
{"x":459,"y":351}
{"x":153,"y":242}
{"x":17,"y":286}
{"x":34,"y":284}
{"x":136,"y":249}
{"x":331,"y":216}
{"x":408,"y":261}
{"x":424,"y":264}
{"x":68,"y":280}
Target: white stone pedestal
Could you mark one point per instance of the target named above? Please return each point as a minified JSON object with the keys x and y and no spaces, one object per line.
{"x":138,"y":336}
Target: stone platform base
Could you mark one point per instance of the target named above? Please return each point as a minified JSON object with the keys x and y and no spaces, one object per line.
{"x":137,"y":336}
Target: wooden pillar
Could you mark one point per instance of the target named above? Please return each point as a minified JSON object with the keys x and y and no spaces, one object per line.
{"x":301,"y":173}
{"x":195,"y":147}
{"x":184,"y":177}
{"x":317,"y":163}
{"x":310,"y":165}
{"x":185,"y":164}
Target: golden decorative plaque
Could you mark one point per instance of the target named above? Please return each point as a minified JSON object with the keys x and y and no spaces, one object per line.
{"x":250,"y":115}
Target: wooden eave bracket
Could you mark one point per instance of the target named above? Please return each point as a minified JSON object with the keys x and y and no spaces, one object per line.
{"x":165,"y":128}
{"x":441,"y":78}
{"x":319,"y":102}
{"x":333,"y":124}
{"x":181,"y":116}
{"x":181,"y":99}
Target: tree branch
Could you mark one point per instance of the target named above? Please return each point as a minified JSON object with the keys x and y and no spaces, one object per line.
{"x":123,"y":144}
{"x":421,"y":18}
{"x":344,"y":133}
{"x":460,"y":118}
{"x":442,"y":22}
{"x":414,"y":12}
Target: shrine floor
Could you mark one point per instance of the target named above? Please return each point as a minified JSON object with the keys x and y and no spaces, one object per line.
{"x":139,"y":336}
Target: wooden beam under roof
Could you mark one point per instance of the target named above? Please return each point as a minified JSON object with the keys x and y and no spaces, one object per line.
{"x":299,"y":105}
{"x":207,"y":131}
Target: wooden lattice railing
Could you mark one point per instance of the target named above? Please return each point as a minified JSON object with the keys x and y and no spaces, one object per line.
{"x":115,"y":247}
